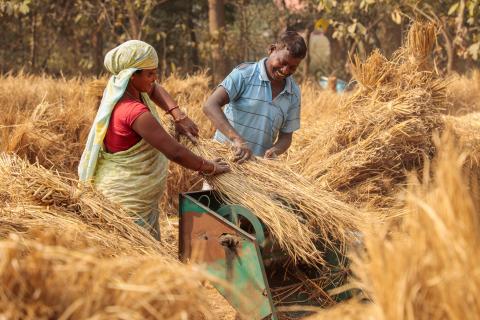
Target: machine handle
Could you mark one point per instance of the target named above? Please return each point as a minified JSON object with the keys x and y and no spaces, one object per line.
{"x":229,"y":240}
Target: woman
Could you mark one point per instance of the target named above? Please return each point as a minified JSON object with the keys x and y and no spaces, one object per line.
{"x":127,"y":149}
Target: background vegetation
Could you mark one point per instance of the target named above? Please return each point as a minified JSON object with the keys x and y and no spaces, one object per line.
{"x":70,"y":37}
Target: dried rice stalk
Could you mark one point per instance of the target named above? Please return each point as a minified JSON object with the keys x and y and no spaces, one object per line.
{"x":43,"y":280}
{"x":420,"y":41}
{"x":372,"y":72}
{"x":296,"y":213}
{"x":26,"y":184}
{"x":416,"y":268}
{"x":383,"y":129}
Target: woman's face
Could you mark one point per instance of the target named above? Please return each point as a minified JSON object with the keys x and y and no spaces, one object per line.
{"x":144,"y":80}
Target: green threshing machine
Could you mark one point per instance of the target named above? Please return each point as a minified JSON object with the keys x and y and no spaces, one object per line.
{"x":236,"y":248}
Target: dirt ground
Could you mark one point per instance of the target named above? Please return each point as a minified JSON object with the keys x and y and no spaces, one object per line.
{"x":221,"y":309}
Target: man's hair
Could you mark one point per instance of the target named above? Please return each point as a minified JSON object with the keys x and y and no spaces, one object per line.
{"x":293,"y":42}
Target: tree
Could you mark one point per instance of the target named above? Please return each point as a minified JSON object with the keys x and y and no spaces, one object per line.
{"x":216,"y":19}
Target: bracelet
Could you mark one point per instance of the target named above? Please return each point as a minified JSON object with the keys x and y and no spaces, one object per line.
{"x":171,"y":109}
{"x":210,"y":173}
{"x":180,"y":119}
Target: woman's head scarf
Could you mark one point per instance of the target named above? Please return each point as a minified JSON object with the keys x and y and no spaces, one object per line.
{"x":122,"y":62}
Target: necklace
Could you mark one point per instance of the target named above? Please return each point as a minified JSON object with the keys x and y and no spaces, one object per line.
{"x":134,"y":98}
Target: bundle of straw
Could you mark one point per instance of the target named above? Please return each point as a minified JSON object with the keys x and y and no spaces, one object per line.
{"x":427,"y":266}
{"x":295,"y":213}
{"x":466,"y":129}
{"x":463,"y":93}
{"x":45,"y":119}
{"x":383,"y":130}
{"x":43,"y":280}
{"x":41,"y":192}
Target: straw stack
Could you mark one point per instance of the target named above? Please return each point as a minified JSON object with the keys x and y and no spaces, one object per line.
{"x":42,"y":279}
{"x":295,"y":213}
{"x":34,"y":196}
{"x":384,"y":128}
{"x":466,"y":129}
{"x":427,"y":266}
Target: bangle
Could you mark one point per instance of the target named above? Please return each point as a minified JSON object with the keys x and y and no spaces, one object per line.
{"x":180,"y":119}
{"x":210,"y":173}
{"x":171,"y":109}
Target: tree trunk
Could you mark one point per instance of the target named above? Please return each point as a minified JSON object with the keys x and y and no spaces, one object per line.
{"x":216,"y":19}
{"x":97,"y":50}
{"x":308,"y":33}
{"x":193,"y":39}
{"x":33,"y":44}
{"x":135,"y":27}
{"x":338,"y":55}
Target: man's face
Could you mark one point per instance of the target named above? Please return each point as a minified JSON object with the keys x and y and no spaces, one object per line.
{"x":144,"y":80}
{"x":280,"y":64}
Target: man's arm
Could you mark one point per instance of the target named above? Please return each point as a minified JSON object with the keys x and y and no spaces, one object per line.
{"x":183,"y":124}
{"x":283,"y":143}
{"x":213,"y":110}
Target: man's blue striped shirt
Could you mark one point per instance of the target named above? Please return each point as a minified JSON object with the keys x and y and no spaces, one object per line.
{"x":251,"y":110}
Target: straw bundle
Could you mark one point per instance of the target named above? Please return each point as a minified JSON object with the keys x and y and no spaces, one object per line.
{"x":427,"y":266}
{"x":466,"y":129}
{"x":43,"y":280}
{"x":45,"y":119}
{"x":295,"y":213}
{"x":463,"y":93}
{"x":30,"y":192}
{"x":384,"y":129}
{"x":420,"y":42}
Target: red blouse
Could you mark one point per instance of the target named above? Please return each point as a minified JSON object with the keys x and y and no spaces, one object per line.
{"x":120,"y":135}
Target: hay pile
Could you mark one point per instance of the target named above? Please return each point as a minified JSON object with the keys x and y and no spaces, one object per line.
{"x":427,"y":266}
{"x":59,"y":242}
{"x":45,"y":119}
{"x":295,"y":213}
{"x":43,"y":279}
{"x":31,"y":196}
{"x":466,"y":129}
{"x":463,"y":93}
{"x":384,"y":128}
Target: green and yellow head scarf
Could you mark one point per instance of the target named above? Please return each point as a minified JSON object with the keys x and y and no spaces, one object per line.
{"x":122,"y":62}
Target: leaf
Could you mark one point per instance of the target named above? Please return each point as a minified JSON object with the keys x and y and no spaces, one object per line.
{"x":23,"y":8}
{"x":351,"y":28}
{"x":474,"y":50}
{"x":453,"y":8}
{"x":361,"y":28}
{"x":396,"y":16}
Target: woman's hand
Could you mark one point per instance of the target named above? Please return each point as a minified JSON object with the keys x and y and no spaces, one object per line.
{"x":218,"y":166}
{"x":184,"y":125}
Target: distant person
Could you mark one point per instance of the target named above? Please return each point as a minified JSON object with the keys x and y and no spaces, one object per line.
{"x":263,"y":101}
{"x":127,"y":147}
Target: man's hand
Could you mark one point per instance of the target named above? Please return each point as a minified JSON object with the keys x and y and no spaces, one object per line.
{"x":187,"y":127}
{"x":272,"y":153}
{"x":242,"y":151}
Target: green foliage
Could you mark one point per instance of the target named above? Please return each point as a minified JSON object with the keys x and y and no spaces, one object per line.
{"x":72,"y":36}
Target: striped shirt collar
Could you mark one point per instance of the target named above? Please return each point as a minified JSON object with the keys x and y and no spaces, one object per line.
{"x":264,"y":77}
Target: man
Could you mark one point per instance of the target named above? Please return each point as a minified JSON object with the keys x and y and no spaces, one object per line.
{"x":263,"y":102}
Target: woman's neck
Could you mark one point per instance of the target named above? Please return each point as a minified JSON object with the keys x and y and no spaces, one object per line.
{"x":131,"y":92}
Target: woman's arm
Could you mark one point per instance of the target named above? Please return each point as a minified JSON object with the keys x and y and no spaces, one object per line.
{"x":183,"y":124}
{"x":150,"y":130}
